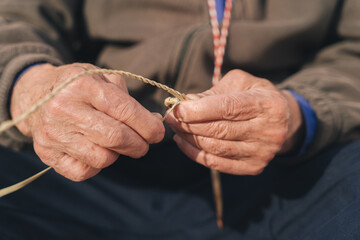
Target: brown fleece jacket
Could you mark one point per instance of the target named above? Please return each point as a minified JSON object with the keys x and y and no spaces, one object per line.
{"x":309,"y":46}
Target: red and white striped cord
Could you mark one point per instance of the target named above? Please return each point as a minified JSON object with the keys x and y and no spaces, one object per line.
{"x":219,"y":36}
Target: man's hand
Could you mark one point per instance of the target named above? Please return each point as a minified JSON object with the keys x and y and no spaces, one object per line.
{"x":238,"y":125}
{"x":86,"y":125}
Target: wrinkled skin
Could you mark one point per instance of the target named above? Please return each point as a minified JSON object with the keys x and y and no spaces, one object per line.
{"x":238,"y":125}
{"x":85,"y":127}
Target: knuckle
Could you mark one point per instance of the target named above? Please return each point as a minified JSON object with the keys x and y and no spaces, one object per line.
{"x":214,"y":147}
{"x":46,"y":160}
{"x":80,"y":83}
{"x":125,"y":110}
{"x":239,"y":75}
{"x":117,"y":80}
{"x":212,"y":163}
{"x":77,"y":178}
{"x":104,"y":160}
{"x":55,"y":107}
{"x":157,"y":132}
{"x":263,"y":82}
{"x":219,"y":130}
{"x":255,"y":171}
{"x":114,"y":138}
{"x":71,"y":70}
{"x":211,"y":145}
{"x":235,"y":73}
{"x":141,"y":151}
{"x":266,"y":155}
{"x":257,"y":167}
{"x":230,"y":106}
{"x":82,"y":173}
{"x":42,"y":153}
{"x":75,"y":68}
{"x":99,"y":164}
{"x":82,"y":66}
{"x":226,"y":151}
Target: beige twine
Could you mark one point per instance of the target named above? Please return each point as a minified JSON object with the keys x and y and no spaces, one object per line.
{"x":11,"y":123}
{"x":169,"y":102}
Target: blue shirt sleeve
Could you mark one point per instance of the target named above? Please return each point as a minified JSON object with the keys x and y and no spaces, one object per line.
{"x":311,"y":121}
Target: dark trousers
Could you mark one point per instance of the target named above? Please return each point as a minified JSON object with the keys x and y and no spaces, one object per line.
{"x":151,"y":199}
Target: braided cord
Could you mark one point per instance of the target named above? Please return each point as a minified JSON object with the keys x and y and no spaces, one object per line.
{"x":219,"y":41}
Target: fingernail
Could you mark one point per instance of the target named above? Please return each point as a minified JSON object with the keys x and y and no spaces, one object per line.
{"x":178,"y":115}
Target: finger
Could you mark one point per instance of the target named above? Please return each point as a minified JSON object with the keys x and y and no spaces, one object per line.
{"x":98,"y":128}
{"x":82,"y":149}
{"x":233,"y":106}
{"x":117,"y":80}
{"x":230,"y":166}
{"x":222,"y":148}
{"x":260,"y":150}
{"x":64,"y":164}
{"x":110,"y":99}
{"x":237,"y":80}
{"x":192,"y":96}
{"x":109,"y":133}
{"x":226,"y":130}
{"x":75,"y":170}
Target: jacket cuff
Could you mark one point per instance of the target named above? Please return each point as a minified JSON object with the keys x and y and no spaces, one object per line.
{"x":329,"y":123}
{"x":13,"y":138}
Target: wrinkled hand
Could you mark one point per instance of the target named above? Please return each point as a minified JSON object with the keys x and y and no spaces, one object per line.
{"x":238,"y":125}
{"x":86,"y":125}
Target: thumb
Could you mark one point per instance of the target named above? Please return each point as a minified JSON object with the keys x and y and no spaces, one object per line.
{"x":209,"y":92}
{"x":193,"y":96}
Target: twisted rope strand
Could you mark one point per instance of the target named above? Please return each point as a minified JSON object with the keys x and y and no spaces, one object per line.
{"x":219,"y":41}
{"x":11,"y":123}
{"x":17,"y":186}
